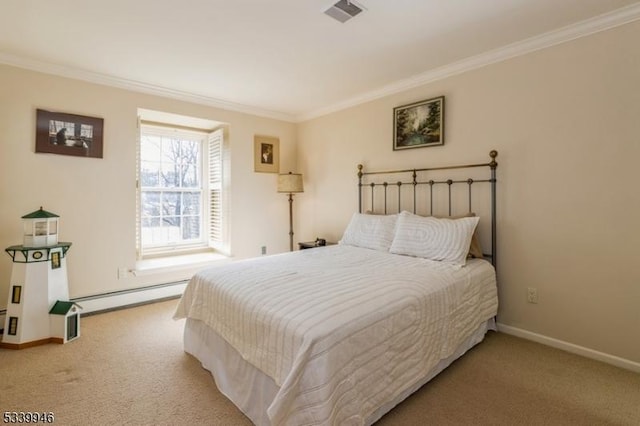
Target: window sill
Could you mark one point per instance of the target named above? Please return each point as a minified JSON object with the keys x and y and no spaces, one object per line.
{"x":178,"y":263}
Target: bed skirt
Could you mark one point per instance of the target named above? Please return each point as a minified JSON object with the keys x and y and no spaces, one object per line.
{"x":252,"y":391}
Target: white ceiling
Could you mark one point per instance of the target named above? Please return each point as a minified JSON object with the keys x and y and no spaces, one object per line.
{"x":283,"y":58}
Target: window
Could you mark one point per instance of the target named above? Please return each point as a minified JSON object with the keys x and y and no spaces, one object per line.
{"x":16,"y":294}
{"x":82,"y":130}
{"x":179,"y":182}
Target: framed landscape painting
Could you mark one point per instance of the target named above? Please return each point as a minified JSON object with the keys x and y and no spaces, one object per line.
{"x":419,"y":124}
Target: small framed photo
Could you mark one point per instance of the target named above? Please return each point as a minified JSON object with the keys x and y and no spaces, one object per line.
{"x":68,"y":134}
{"x":419,"y":124}
{"x":266,"y":153}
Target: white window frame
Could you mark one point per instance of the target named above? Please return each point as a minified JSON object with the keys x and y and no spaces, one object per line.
{"x":177,"y":248}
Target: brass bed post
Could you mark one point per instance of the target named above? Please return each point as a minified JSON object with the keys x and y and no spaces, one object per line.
{"x":431,"y":183}
{"x":373,"y":186}
{"x":415,"y":184}
{"x":385,"y":185}
{"x":359,"y":188}
{"x":449,"y":182}
{"x":469,"y":182}
{"x":493,"y":164}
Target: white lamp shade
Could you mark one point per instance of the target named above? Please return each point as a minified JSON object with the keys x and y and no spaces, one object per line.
{"x":291,"y":182}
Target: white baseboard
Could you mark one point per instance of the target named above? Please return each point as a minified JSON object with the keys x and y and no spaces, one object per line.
{"x":124,"y":298}
{"x":120,"y":299}
{"x":570,"y":347}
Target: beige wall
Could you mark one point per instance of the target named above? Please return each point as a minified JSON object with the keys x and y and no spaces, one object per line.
{"x":564,"y":119}
{"x":566,"y":123}
{"x":96,"y":197}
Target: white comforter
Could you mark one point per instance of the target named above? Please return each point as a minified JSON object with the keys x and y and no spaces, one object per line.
{"x":341,"y":330}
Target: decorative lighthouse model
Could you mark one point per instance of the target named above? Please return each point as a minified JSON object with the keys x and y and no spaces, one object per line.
{"x":38,"y":309}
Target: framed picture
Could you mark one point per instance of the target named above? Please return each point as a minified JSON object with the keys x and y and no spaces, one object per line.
{"x":419,"y":124}
{"x":266,"y":154}
{"x":68,"y":134}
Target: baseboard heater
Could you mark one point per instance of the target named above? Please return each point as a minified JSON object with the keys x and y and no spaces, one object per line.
{"x":114,"y":300}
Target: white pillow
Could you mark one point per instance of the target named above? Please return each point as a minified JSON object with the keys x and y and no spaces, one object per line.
{"x":446,"y":240}
{"x":370,"y":231}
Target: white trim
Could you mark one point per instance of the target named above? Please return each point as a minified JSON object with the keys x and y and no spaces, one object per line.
{"x":116,"y":300}
{"x":113,"y":300}
{"x":108,"y":301}
{"x":580,"y":29}
{"x":137,"y":86}
{"x":119,"y":299}
{"x":584,"y":28}
{"x":570,"y":347}
{"x":186,"y":262}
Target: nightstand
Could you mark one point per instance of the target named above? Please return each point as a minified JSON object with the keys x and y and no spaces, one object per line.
{"x":312,"y":244}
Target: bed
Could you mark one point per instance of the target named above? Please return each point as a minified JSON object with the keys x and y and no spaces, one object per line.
{"x":341,"y":334}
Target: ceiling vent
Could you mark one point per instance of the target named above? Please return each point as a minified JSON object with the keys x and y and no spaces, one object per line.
{"x":344,"y":10}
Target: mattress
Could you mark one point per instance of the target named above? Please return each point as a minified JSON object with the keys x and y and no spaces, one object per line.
{"x":337,"y":334}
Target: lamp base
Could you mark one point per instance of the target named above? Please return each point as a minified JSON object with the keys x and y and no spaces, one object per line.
{"x":290,"y":221}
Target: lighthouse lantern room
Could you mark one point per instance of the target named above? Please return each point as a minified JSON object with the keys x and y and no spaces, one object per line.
{"x":40,"y":228}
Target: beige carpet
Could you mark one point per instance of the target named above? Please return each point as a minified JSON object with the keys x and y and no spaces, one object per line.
{"x":128,"y":368}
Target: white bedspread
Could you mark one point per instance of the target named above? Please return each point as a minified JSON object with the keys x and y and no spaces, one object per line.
{"x":341,"y":330}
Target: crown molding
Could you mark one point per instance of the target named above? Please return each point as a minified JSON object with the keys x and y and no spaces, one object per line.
{"x":584,"y":28}
{"x":137,"y":86}
{"x":581,"y":29}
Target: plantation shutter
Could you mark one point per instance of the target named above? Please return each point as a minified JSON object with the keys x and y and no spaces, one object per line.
{"x":215,"y":189}
{"x":138,"y":194}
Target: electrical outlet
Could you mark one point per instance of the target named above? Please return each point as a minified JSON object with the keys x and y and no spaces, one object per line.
{"x":123,"y":272}
{"x":532,"y":295}
{"x":264,"y":250}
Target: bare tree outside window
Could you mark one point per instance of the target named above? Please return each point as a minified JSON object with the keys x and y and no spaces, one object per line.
{"x":171,"y":190}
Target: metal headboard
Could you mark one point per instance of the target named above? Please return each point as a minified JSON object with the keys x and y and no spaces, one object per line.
{"x":375,"y":180}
